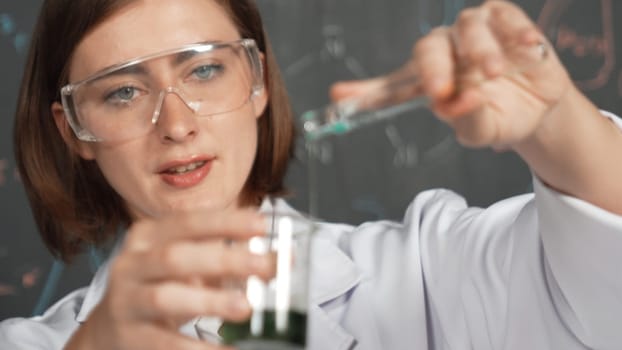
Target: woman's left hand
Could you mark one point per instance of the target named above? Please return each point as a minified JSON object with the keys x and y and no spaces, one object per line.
{"x":485,"y":75}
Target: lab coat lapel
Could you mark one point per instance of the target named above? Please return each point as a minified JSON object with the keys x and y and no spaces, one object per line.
{"x":333,"y":274}
{"x":96,"y":289}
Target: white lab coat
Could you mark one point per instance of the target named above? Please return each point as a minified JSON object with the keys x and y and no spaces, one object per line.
{"x":538,"y":271}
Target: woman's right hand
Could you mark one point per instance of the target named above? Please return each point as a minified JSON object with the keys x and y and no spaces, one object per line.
{"x":169,"y":271}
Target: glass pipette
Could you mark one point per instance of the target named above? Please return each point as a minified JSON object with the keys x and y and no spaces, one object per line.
{"x":389,"y":99}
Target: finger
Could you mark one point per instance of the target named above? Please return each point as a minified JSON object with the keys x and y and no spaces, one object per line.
{"x":516,"y":32}
{"x":206,"y":259}
{"x":194,"y":225}
{"x":477,"y":47}
{"x":462,"y":104}
{"x":434,"y":62}
{"x":392,"y":89}
{"x":509,"y":22}
{"x":348,"y":89}
{"x":524,"y":45}
{"x":179,"y":301}
{"x":476,"y":129}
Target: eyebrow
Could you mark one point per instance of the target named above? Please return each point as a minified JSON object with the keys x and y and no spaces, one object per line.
{"x":140,"y":69}
{"x":137,"y":69}
{"x":183,"y":57}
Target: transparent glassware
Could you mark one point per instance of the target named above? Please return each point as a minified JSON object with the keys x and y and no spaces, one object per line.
{"x":391,"y":98}
{"x":279,"y":306}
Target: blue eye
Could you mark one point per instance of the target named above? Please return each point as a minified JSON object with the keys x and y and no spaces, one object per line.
{"x":207,"y":72}
{"x":124,"y":94}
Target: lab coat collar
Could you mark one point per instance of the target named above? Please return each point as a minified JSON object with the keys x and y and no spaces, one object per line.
{"x":97,"y":287}
{"x":333,"y":274}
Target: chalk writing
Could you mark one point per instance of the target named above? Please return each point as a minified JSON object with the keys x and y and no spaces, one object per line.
{"x":7,"y":172}
{"x":592,"y":49}
{"x":406,"y":154}
{"x":6,"y":24}
{"x":30,"y":278}
{"x":321,"y":151}
{"x":334,"y":49}
{"x":581,"y":46}
{"x":6,"y":289}
{"x":9,"y":31}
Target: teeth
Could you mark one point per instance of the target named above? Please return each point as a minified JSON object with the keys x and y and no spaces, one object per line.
{"x":185,"y":168}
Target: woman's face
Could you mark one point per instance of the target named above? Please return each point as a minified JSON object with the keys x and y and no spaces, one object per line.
{"x":185,"y":162}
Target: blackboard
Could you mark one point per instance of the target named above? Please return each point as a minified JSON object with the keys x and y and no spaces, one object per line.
{"x":370,"y":174}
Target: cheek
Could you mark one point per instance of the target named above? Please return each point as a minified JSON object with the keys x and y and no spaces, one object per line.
{"x":240,"y":140}
{"x":120,"y":167}
{"x":244,"y":144}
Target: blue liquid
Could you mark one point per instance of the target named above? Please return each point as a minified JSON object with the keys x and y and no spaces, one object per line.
{"x":321,"y":123}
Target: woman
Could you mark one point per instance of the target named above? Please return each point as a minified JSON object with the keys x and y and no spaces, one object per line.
{"x":112,"y":133}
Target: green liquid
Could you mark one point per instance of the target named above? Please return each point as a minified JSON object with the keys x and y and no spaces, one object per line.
{"x":268,"y":336}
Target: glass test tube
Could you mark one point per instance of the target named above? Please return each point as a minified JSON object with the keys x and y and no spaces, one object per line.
{"x":389,"y":99}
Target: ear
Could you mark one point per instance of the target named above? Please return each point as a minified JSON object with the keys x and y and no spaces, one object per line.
{"x":260,"y":99}
{"x":83,"y":149}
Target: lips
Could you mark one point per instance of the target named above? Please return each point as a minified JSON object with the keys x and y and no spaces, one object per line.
{"x":182,"y":169}
{"x":185,"y":173}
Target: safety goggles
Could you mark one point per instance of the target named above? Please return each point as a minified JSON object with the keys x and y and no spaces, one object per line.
{"x":125,"y":101}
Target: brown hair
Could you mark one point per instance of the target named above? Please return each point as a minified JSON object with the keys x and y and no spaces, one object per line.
{"x":72,"y":203}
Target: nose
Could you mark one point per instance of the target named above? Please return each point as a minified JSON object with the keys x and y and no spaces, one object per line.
{"x":175,"y":118}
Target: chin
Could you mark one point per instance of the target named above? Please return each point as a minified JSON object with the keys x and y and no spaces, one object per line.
{"x":203,"y":202}
{"x":188,"y":200}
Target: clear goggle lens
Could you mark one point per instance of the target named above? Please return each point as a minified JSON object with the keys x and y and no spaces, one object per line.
{"x":125,"y":101}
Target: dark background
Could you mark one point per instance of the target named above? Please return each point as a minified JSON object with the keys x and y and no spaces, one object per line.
{"x":369,"y":174}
